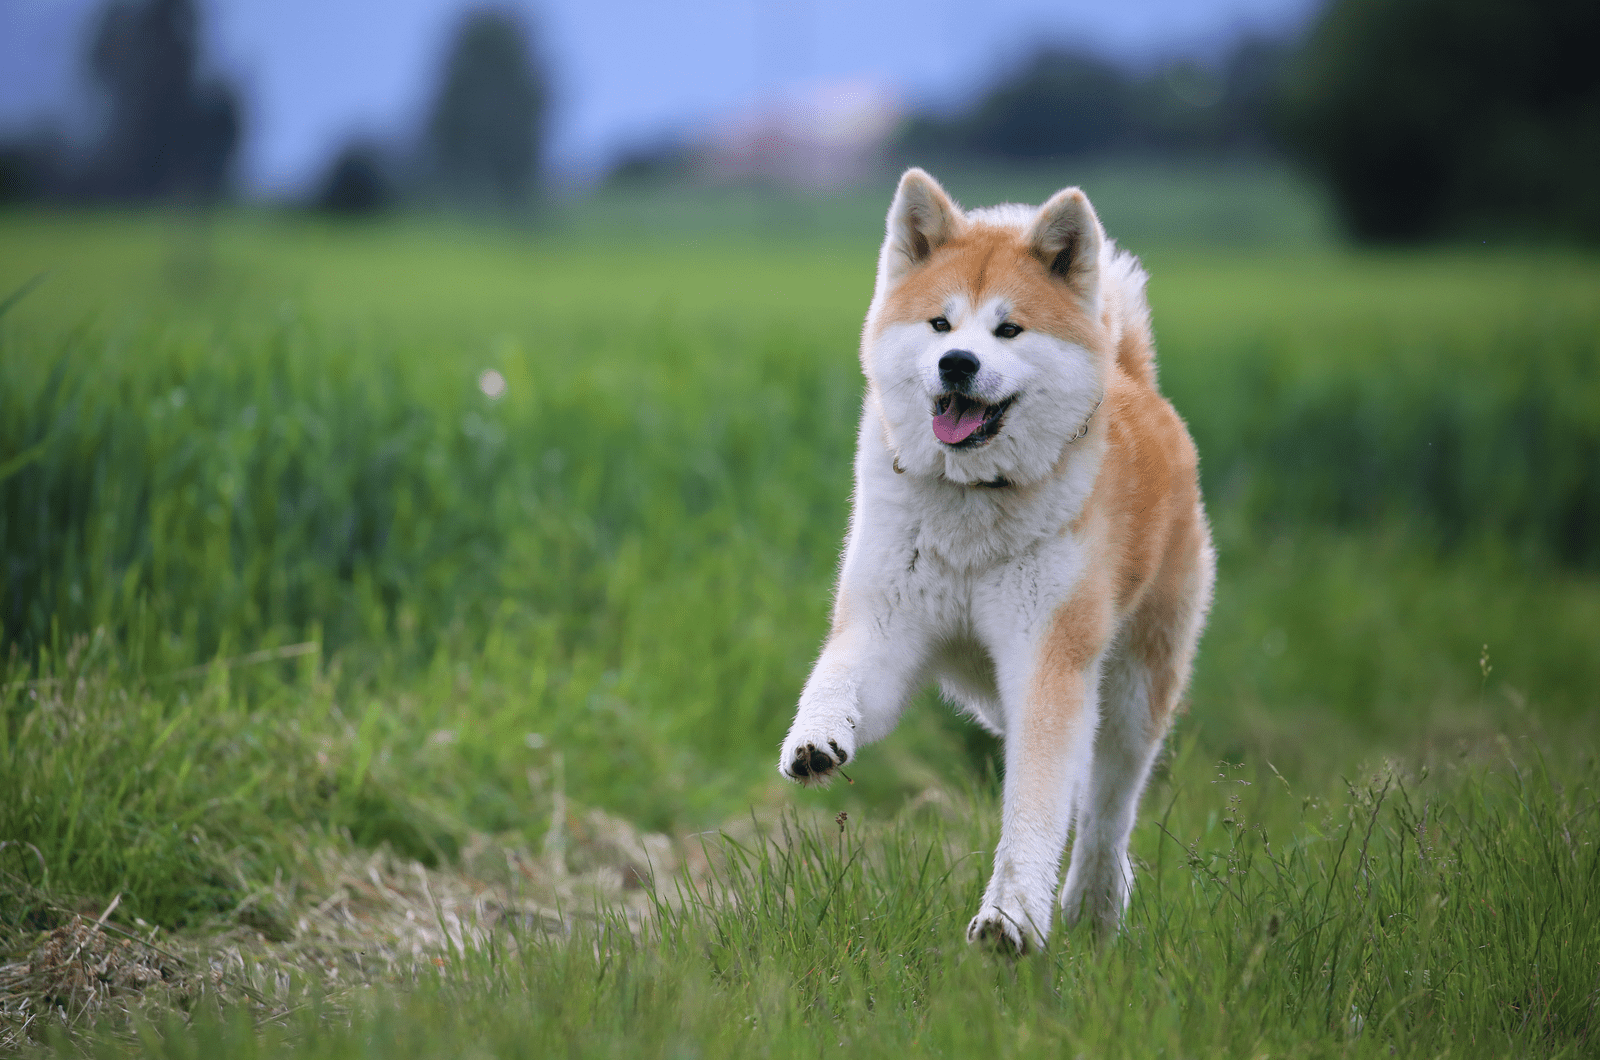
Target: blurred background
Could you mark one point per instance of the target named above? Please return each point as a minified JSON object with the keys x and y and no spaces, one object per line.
{"x":421,"y":419}
{"x":1409,"y":120}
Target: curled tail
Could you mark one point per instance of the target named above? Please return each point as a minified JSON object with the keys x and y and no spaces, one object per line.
{"x":1127,"y":313}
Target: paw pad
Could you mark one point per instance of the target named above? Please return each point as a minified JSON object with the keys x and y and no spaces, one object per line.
{"x":811,"y":761}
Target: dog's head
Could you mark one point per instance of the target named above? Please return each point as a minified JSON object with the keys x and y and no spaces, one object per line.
{"x":984,"y":347}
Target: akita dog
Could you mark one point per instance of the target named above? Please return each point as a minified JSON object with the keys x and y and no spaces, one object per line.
{"x":1027,"y":529}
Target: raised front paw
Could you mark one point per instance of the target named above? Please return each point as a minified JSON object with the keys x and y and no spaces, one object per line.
{"x":813,"y":758}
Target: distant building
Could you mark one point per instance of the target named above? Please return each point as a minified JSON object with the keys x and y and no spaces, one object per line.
{"x":829,"y":136}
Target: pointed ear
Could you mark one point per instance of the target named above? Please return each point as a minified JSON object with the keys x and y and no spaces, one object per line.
{"x":1067,"y":236}
{"x":921,"y":220}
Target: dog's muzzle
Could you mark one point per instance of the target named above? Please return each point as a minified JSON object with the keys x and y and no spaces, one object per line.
{"x":962,"y":422}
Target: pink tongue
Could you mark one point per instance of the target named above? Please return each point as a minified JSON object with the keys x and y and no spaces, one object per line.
{"x":953,"y":428}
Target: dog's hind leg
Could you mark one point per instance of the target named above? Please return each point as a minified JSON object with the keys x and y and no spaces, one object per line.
{"x":1144,"y":677}
{"x":1100,"y":876}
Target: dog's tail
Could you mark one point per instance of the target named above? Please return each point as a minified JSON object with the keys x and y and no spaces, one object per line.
{"x":1128,"y":312}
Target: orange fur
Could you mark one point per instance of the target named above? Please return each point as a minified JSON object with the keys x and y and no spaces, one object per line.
{"x":1055,"y":696}
{"x":985,"y":261}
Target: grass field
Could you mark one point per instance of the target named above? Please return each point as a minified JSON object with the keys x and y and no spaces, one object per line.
{"x":303,"y":608}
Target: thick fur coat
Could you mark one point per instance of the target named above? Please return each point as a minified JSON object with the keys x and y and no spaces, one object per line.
{"x":1027,"y":531}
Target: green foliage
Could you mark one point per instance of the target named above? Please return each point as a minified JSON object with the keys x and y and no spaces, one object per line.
{"x":1461,"y":396}
{"x":169,"y":822}
{"x":170,"y":131}
{"x":182,"y":791}
{"x":1212,"y":203}
{"x":1440,"y":117}
{"x":359,"y":182}
{"x":486,"y":126}
{"x":1073,"y":104}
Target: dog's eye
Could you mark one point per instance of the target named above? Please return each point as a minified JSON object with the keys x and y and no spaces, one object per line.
{"x":1007,"y":330}
{"x":940,"y":324}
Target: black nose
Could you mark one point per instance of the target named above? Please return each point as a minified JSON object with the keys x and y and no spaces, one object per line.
{"x":957,"y":368}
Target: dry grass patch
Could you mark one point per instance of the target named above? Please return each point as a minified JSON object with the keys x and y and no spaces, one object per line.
{"x":349,"y":920}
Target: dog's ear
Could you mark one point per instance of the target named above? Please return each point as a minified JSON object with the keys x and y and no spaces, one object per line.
{"x":921,"y":220}
{"x":1066,"y":237}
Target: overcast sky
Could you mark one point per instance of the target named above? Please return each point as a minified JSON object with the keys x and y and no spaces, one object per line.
{"x":626,"y":72}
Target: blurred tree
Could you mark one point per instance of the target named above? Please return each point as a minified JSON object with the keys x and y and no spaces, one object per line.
{"x":357,"y":183}
{"x":31,"y":166}
{"x":1191,"y":107}
{"x":1058,"y":103}
{"x":16,"y":175}
{"x":486,"y":128}
{"x":1066,"y":103}
{"x":664,"y":162}
{"x":169,"y":131}
{"x":1428,"y":117}
{"x":1061,"y":103}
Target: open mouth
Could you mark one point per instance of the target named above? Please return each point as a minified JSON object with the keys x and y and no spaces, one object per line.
{"x":964,"y":423}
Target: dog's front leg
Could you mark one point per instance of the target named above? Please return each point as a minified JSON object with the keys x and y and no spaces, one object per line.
{"x":857,"y":689}
{"x":1051,"y":711}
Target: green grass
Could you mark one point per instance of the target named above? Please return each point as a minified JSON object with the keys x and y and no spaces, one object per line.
{"x":1144,"y":203}
{"x":279,"y":577}
{"x":1412,"y":916}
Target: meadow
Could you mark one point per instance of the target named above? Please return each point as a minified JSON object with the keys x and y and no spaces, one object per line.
{"x":349,"y":554}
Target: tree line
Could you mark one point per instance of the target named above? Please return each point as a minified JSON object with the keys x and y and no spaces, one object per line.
{"x":172,"y":127}
{"x":1424,"y":119}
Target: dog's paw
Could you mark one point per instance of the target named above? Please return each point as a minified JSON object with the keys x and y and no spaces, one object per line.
{"x":1096,"y":893}
{"x":995,"y":930}
{"x":814,"y":758}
